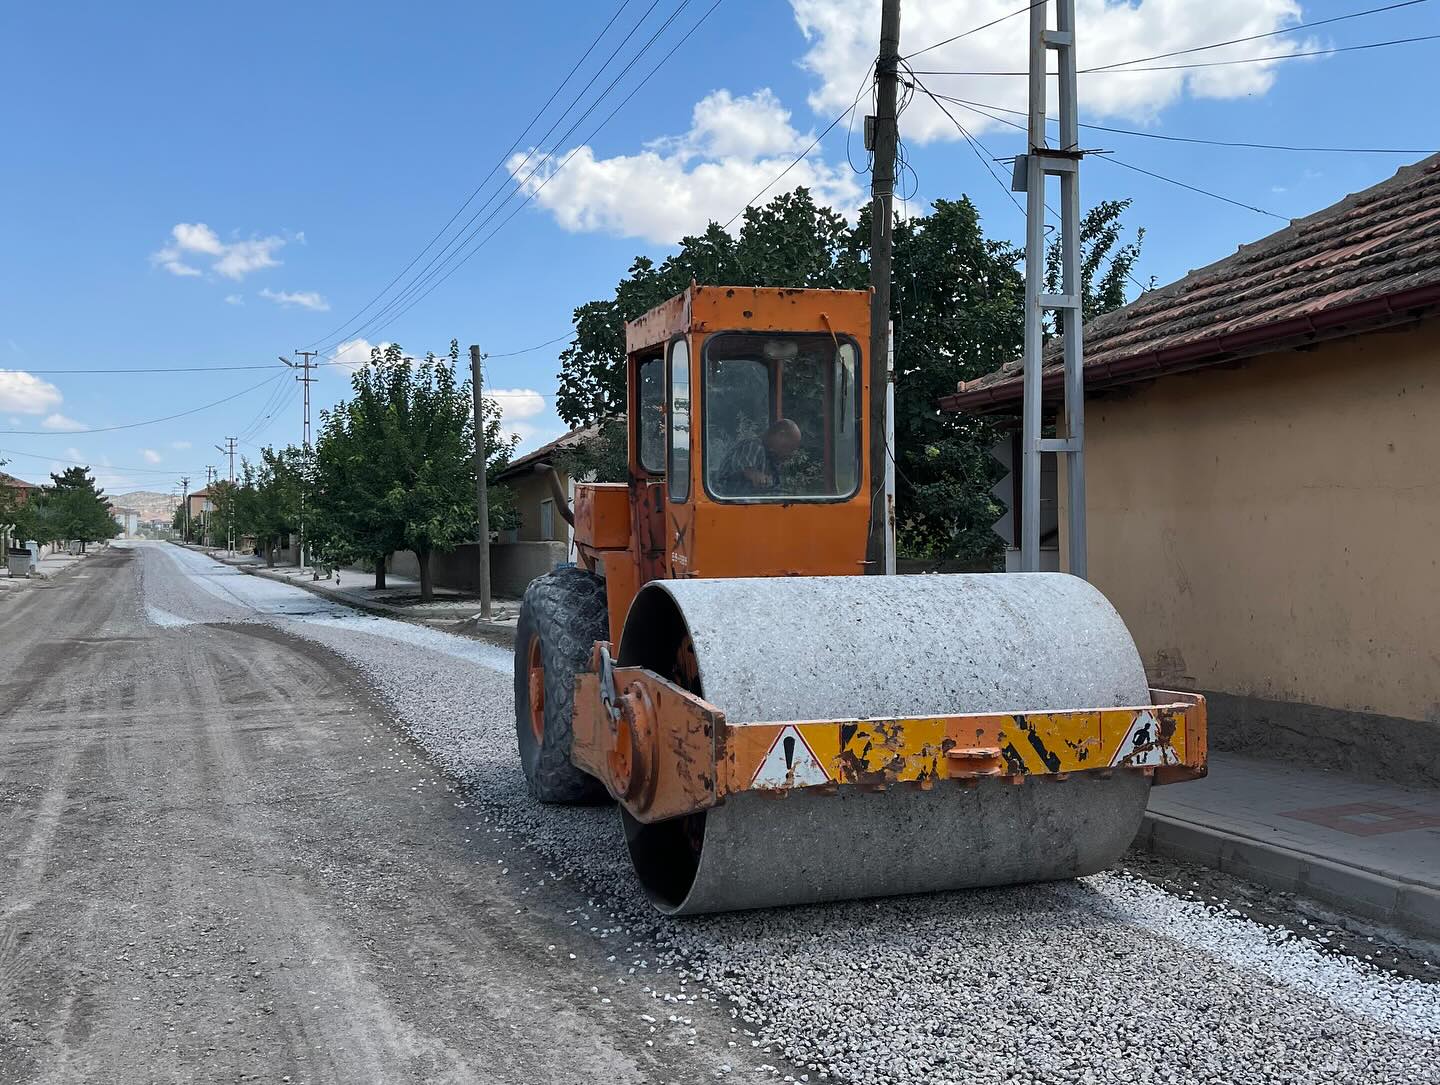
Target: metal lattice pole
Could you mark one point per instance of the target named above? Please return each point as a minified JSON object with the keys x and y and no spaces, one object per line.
{"x":1042,"y":162}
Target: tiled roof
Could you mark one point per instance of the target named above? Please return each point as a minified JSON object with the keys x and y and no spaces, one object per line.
{"x":16,"y":483}
{"x":566,"y":440}
{"x":1372,"y":257}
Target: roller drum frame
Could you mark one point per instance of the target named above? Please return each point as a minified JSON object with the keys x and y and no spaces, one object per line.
{"x":780,"y":741}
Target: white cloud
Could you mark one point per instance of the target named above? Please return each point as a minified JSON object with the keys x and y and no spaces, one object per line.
{"x":675,"y":185}
{"x":180,"y":445}
{"x":235,"y":260}
{"x":197,"y":237}
{"x":26,"y":393}
{"x":234,"y":299}
{"x":520,"y":411}
{"x":243,"y":257}
{"x":842,"y":36}
{"x":61,"y":423}
{"x":306,"y":299}
{"x":354,"y":354}
{"x":151,"y":456}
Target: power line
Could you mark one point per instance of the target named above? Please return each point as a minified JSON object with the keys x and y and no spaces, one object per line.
{"x":432,"y":283}
{"x":446,"y":256}
{"x":1257,"y":37}
{"x":987,"y":26}
{"x":575,"y":68}
{"x":247,"y":368}
{"x":986,"y":158}
{"x":90,"y":463}
{"x":537,"y":346}
{"x":982,"y":107}
{"x":1260,"y":60}
{"x":137,"y":425}
{"x":802,"y":155}
{"x":1114,"y":70}
{"x":978,"y":148}
{"x":1107,"y":157}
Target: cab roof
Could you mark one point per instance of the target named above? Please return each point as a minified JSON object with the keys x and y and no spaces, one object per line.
{"x":751,"y":308}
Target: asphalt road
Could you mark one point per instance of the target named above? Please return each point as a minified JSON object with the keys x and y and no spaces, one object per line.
{"x":249,"y":834}
{"x":224,"y":863}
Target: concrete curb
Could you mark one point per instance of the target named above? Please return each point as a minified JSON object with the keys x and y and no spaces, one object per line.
{"x":1409,"y":906}
{"x":378,"y":609}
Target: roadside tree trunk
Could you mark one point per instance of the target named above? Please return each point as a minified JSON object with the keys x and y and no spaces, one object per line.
{"x":270,"y":552}
{"x":380,"y":571}
{"x":427,"y":583}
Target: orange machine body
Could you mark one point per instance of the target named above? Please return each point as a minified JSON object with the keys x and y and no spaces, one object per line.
{"x":668,"y":520}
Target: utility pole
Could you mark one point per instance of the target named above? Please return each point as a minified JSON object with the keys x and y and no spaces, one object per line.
{"x":482,"y":501}
{"x":209,"y":539}
{"x":307,"y":380}
{"x":229,"y":450}
{"x":882,"y":195}
{"x":185,"y":508}
{"x":1031,"y":172}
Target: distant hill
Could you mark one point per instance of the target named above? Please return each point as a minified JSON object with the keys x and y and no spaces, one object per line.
{"x":149,"y":504}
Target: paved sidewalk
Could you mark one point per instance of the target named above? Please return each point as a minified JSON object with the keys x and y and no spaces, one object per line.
{"x":1368,"y":848}
{"x":50,"y":566}
{"x":397,"y":598}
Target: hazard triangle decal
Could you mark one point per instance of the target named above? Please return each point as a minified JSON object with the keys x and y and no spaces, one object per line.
{"x":1143,"y":746}
{"x":790,"y":763}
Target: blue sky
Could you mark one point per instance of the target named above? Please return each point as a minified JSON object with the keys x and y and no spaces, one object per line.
{"x":213,"y":185}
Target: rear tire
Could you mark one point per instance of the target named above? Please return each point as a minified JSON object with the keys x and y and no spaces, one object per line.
{"x":562,"y":615}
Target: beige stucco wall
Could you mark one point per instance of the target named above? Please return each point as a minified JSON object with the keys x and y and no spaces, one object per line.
{"x":530,"y":491}
{"x":1273,"y":530}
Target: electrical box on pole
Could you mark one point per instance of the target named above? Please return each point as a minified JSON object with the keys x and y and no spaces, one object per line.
{"x":1032,"y":171}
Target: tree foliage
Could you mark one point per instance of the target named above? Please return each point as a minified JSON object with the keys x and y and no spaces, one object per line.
{"x":72,"y":508}
{"x":958,"y":307}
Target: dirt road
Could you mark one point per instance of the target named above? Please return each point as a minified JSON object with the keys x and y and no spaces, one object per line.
{"x":224,"y":863}
{"x":250,"y":834}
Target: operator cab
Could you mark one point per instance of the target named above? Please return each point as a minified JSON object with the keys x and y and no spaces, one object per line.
{"x":747,"y":441}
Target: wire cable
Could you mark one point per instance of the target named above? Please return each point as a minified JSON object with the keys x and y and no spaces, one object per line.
{"x":575,"y":68}
{"x":1258,"y":37}
{"x":452,"y":249}
{"x":433,"y":283}
{"x":1115,"y":70}
{"x":1106,"y":157}
{"x":982,"y":107}
{"x":92,"y":464}
{"x":800,"y":157}
{"x":147,"y":422}
{"x":987,"y":26}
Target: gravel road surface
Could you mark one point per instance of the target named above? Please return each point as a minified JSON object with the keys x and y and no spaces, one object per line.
{"x":206,"y":780}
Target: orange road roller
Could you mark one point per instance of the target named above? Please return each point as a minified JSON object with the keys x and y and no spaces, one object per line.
{"x":776,"y":727}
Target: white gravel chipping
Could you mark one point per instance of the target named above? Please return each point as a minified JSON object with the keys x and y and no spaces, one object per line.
{"x":1107,"y":979}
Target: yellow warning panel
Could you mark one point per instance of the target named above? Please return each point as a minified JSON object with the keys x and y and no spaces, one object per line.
{"x":1167,"y":739}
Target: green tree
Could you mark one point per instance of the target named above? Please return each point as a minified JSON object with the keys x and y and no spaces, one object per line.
{"x":395,"y":467}
{"x":74,"y":508}
{"x":957,"y":303}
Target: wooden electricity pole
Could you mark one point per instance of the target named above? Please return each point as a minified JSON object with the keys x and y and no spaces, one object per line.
{"x":882,"y":193}
{"x":482,"y":502}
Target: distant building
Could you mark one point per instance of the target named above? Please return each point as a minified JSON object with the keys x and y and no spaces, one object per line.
{"x":128,"y":520}
{"x":1261,"y":442}
{"x":200,"y":501}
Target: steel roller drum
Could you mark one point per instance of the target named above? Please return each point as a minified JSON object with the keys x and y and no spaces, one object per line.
{"x":809,"y":648}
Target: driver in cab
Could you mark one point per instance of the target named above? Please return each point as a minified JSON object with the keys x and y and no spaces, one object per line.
{"x":753,"y":465}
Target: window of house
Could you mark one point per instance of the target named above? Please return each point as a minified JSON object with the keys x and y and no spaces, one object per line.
{"x":547,"y":519}
{"x":679,"y":420}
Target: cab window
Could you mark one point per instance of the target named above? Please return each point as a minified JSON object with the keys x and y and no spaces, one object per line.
{"x":650,"y":425}
{"x":781,"y":417}
{"x":679,"y":415}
